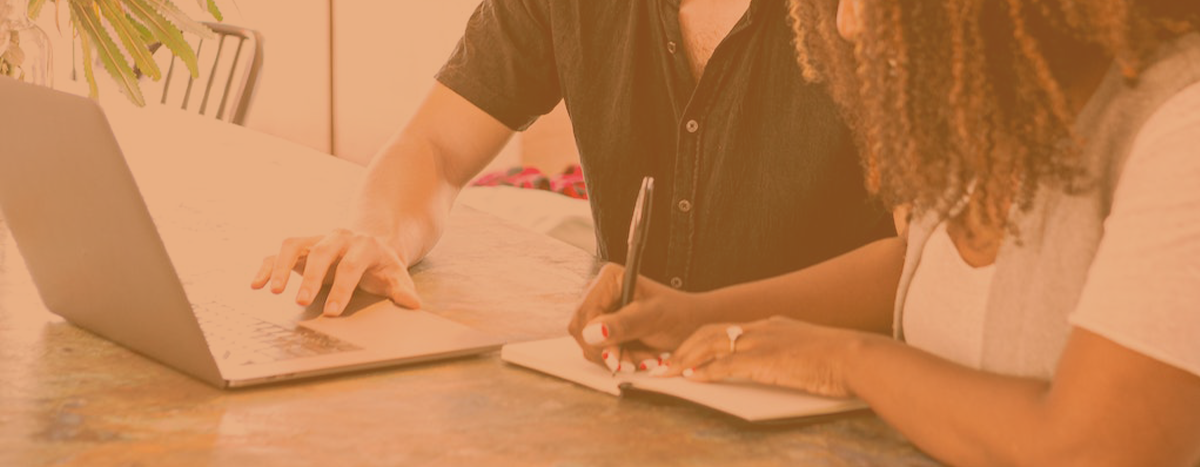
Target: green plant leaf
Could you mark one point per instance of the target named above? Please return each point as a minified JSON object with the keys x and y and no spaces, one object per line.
{"x":86,"y":45}
{"x":147,"y":36}
{"x":180,"y":19}
{"x":88,"y":23}
{"x":135,"y":45}
{"x":211,"y":6}
{"x":35,"y":8}
{"x":165,"y":32}
{"x":213,"y":10}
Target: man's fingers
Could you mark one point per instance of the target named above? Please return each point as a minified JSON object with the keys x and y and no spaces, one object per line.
{"x":264,"y":273}
{"x":290,"y":252}
{"x":320,"y":257}
{"x":403,"y":293}
{"x":348,"y":273}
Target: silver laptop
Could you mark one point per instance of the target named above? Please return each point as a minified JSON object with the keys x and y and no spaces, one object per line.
{"x":97,"y":259}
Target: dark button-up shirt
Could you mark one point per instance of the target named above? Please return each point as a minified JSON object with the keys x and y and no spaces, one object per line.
{"x":755,"y":173}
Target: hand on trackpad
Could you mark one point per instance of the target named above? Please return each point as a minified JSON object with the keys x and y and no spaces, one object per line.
{"x":359,"y":301}
{"x":383,"y":324}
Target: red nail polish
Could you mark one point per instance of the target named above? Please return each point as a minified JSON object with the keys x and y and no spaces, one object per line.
{"x":604,"y":356}
{"x":642,"y":366}
{"x":604,"y":330}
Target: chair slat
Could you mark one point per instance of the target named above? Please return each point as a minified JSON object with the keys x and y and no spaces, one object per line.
{"x":229,"y":81}
{"x":187,"y":93}
{"x":241,"y":79}
{"x":212,"y":75}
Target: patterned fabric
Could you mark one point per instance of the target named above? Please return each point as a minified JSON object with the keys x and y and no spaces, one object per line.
{"x":569,"y":183}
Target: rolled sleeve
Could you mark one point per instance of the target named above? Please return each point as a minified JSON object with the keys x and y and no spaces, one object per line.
{"x":504,"y":64}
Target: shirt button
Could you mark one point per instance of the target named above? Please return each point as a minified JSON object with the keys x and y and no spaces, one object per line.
{"x":676,"y":282}
{"x":685,"y":205}
{"x":671,"y":47}
{"x":693,"y":126}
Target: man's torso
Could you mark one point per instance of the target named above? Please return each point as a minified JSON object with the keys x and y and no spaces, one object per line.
{"x":756,"y":175}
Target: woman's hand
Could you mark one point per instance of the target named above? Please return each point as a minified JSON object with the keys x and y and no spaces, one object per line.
{"x":636,"y":336}
{"x":777,"y":351}
{"x":345,"y":259}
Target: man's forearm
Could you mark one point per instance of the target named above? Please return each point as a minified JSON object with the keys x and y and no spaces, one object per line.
{"x":856,"y":290}
{"x":411,"y":184}
{"x":406,"y":197}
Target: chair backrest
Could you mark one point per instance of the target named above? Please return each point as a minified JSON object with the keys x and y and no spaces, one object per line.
{"x":229,"y":65}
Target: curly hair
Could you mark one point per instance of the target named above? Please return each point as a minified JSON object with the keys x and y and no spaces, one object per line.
{"x":964,"y":99}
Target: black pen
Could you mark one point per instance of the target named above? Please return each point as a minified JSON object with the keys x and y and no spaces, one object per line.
{"x":638,"y":227}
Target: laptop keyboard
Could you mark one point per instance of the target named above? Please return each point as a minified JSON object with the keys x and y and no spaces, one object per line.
{"x":242,"y":339}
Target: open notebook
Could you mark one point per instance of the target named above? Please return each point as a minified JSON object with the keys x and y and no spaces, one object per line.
{"x":751,"y":402}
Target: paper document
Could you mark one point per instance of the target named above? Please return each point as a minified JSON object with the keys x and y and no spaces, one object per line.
{"x":751,"y":402}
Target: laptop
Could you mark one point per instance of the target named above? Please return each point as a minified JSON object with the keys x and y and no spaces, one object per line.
{"x":97,"y":259}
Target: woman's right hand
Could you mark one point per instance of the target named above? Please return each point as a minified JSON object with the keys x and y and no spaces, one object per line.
{"x":345,"y":260}
{"x":635,"y":336}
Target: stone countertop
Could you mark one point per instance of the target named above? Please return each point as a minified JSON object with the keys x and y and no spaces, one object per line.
{"x":70,"y":398}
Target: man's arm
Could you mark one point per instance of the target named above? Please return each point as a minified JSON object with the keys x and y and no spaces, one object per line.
{"x":400,"y":212}
{"x":412,"y":182}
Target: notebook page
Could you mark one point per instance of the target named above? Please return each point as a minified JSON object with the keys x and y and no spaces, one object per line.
{"x":561,"y":357}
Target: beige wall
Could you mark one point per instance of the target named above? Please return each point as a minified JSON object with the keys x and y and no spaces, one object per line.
{"x":384,"y":54}
{"x":293,"y":95}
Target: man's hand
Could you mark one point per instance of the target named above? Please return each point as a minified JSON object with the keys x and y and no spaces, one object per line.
{"x":636,"y":336}
{"x":345,"y":259}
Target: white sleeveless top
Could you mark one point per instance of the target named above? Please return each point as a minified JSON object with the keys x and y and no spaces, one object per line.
{"x":947,"y":303}
{"x":1142,"y":291}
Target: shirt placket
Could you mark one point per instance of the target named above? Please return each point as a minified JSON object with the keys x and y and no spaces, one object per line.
{"x":689,"y":148}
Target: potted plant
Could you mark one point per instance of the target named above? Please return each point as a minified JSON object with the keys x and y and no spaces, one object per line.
{"x":135,"y":23}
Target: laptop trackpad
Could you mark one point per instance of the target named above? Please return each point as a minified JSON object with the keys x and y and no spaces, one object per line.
{"x":385,"y":326}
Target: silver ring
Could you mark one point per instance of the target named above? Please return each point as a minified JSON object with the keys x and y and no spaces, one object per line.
{"x":734,"y":332}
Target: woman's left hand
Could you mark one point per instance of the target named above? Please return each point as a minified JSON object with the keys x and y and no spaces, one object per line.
{"x":777,"y":351}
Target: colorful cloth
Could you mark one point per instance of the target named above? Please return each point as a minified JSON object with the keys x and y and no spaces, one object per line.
{"x":569,"y":183}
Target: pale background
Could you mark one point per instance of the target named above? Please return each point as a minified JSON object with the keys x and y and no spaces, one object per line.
{"x":341,"y":76}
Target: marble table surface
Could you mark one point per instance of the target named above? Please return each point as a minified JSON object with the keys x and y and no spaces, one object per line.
{"x":70,"y":398}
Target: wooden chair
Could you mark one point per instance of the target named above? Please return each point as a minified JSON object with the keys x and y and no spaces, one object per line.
{"x":235,"y":79}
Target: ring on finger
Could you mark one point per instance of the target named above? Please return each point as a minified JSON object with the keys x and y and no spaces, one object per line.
{"x":734,"y":332}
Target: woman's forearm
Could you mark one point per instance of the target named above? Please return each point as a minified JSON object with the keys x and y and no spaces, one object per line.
{"x":856,"y":290}
{"x":959,"y":415}
{"x":1107,"y":405}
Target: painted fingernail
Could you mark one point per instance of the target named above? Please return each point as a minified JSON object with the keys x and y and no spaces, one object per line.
{"x":627,"y":367}
{"x":331,"y":309}
{"x":611,"y":362}
{"x":648,"y":364}
{"x":662,"y":370}
{"x":595,"y":333}
{"x":689,"y":372}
